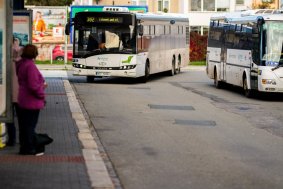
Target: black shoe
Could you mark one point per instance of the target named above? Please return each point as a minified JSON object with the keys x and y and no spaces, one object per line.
{"x":40,"y":150}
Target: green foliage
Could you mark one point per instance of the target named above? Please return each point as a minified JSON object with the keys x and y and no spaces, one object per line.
{"x":198,"y":63}
{"x":49,"y":2}
{"x":198,"y":45}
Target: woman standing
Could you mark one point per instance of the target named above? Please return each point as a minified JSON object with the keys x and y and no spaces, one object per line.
{"x":31,"y":100}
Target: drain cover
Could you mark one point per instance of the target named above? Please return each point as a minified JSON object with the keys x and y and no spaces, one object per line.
{"x":195,"y":122}
{"x":170,"y":107}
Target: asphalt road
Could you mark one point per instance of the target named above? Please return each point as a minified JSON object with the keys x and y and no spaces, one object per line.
{"x":181,"y":132}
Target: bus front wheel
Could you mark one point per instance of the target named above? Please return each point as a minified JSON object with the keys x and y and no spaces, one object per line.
{"x":144,"y":78}
{"x":178,"y":70}
{"x":247,"y":92}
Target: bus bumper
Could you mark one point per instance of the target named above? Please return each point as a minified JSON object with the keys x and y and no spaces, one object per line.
{"x":105,"y":73}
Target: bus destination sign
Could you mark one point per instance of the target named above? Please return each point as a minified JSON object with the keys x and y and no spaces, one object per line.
{"x":104,"y":20}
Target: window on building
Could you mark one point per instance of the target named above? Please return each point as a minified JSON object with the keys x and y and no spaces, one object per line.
{"x":208,"y":5}
{"x":139,"y":2}
{"x":195,"y":5}
{"x":201,"y":30}
{"x":239,"y":2}
{"x":163,"y":4}
{"x":223,"y":5}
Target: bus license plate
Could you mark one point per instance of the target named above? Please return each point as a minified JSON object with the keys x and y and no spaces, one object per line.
{"x":102,"y":73}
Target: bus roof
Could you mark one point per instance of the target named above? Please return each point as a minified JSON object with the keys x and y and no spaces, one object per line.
{"x":163,"y":17}
{"x":247,"y":16}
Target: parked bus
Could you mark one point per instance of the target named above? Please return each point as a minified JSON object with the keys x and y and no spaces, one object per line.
{"x":124,"y":44}
{"x":246,"y":51}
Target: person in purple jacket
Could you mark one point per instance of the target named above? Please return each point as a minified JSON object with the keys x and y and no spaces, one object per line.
{"x":31,"y":99}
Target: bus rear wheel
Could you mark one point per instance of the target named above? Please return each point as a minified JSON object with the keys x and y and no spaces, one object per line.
{"x":178,"y":70}
{"x":217,"y":83}
{"x":173,"y":69}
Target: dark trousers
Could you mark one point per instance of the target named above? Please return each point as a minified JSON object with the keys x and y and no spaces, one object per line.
{"x":11,"y":128}
{"x":27,"y":124}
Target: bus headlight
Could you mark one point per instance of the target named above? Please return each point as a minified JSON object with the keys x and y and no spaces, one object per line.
{"x":268,"y":81}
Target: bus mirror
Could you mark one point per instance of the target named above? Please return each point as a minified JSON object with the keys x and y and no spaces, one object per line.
{"x":67,"y":27}
{"x":140,"y":30}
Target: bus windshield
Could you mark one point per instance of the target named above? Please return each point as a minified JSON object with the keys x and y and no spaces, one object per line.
{"x":104,"y":39}
{"x":273,"y":46}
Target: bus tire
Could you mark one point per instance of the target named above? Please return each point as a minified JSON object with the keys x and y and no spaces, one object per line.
{"x":217,"y":83}
{"x":247,"y":92}
{"x":144,"y":78}
{"x":89,"y":79}
{"x":178,"y":70}
{"x":173,"y":69}
{"x":59,"y":58}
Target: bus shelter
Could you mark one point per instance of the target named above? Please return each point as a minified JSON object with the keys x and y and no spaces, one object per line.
{"x":5,"y":61}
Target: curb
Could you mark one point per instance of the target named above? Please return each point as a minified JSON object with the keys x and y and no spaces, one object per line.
{"x":96,"y":169}
{"x":54,"y":67}
{"x":196,"y":68}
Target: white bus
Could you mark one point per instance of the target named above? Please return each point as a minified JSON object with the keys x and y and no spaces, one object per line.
{"x":125,"y":44}
{"x":246,"y":51}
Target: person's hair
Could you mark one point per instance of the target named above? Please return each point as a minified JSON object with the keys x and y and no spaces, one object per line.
{"x":30,"y":51}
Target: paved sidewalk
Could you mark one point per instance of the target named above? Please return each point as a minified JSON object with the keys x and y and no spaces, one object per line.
{"x":72,"y":161}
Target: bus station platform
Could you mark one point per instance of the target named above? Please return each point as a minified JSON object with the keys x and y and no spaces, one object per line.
{"x":72,"y":161}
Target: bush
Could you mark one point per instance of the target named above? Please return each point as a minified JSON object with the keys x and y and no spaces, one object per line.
{"x":198,"y":45}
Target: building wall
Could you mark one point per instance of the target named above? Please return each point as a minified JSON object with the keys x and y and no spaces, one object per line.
{"x":110,"y":2}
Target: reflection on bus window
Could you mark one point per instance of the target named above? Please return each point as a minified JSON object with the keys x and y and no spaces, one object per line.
{"x":274,"y":41}
{"x":109,"y":39}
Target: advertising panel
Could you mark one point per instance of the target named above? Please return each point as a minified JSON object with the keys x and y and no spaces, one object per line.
{"x":2,"y":67}
{"x":22,"y":24}
{"x":48,"y":29}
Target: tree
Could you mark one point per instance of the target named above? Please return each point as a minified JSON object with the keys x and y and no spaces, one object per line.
{"x":49,"y":2}
{"x":198,"y":45}
{"x":264,"y":5}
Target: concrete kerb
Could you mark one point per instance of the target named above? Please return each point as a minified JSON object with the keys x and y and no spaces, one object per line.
{"x":97,"y":171}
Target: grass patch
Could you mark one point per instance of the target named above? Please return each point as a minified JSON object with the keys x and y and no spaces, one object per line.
{"x":55,"y":62}
{"x":198,"y":63}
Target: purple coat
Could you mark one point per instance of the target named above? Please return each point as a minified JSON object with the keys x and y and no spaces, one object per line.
{"x":31,"y":85}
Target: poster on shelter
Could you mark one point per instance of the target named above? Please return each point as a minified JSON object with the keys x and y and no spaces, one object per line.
{"x":21,"y":27}
{"x":2,"y":87}
{"x":48,"y":24}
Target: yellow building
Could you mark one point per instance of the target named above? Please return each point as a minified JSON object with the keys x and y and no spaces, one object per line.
{"x":153,"y":5}
{"x":274,"y":4}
